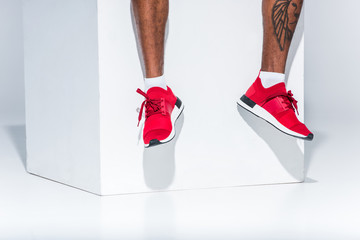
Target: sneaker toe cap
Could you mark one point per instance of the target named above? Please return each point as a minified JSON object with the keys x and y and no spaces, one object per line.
{"x":303,"y":130}
{"x":157,"y":134}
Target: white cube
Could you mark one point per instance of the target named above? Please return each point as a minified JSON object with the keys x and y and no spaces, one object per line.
{"x":81,"y":73}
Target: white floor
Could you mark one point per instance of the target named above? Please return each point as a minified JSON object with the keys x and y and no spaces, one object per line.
{"x":326,"y":206}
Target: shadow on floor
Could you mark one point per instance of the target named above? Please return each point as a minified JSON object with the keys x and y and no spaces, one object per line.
{"x":311,"y":147}
{"x":17,"y":135}
{"x":159,"y":161}
{"x":286,"y":148}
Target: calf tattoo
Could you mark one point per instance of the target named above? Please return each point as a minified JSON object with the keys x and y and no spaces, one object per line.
{"x":281,"y":15}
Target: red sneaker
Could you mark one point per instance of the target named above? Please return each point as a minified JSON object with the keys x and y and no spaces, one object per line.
{"x":277,"y":107}
{"x":162,"y":109}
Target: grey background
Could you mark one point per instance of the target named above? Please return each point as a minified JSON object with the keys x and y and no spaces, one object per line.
{"x":11,"y":62}
{"x":332,"y":57}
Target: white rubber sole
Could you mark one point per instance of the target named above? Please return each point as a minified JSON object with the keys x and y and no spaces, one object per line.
{"x":174,"y":117}
{"x":265,"y":115}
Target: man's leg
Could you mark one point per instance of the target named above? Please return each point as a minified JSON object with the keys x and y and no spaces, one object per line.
{"x":267,"y":96}
{"x":161,"y":106}
{"x":151,"y":17}
{"x":280,"y":18}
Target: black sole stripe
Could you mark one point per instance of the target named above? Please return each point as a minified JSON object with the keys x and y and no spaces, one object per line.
{"x":247,"y":101}
{"x":178,"y":103}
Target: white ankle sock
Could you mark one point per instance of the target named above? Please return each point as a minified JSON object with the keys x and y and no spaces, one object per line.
{"x":155,"y":82}
{"x":269,"y":79}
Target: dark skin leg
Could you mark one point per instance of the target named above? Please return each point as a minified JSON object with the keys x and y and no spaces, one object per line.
{"x":151,"y":17}
{"x":280,"y":18}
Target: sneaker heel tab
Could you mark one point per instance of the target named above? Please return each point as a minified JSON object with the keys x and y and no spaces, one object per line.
{"x":251,"y":91}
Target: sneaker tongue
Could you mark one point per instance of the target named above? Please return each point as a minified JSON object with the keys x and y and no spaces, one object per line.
{"x":275,"y":91}
{"x":156,"y":92}
{"x":280,"y":88}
